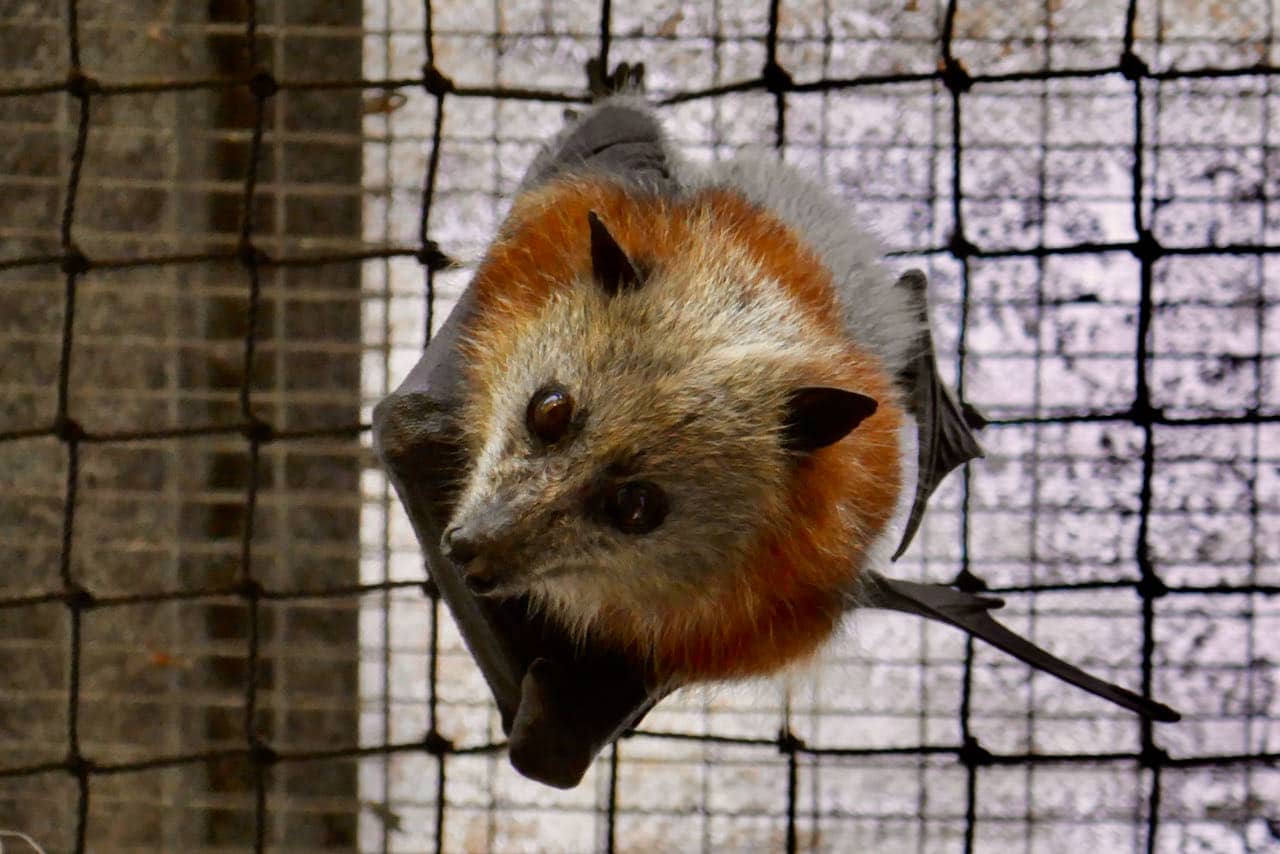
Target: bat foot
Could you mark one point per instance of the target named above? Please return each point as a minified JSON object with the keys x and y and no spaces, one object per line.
{"x":627,"y":78}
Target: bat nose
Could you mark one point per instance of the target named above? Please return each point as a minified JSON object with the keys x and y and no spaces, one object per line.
{"x":460,"y":545}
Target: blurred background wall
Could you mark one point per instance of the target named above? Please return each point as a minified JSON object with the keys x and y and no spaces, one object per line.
{"x":153,"y":377}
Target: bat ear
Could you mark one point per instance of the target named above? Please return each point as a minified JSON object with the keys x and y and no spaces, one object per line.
{"x":611,"y":267}
{"x":818,"y":416}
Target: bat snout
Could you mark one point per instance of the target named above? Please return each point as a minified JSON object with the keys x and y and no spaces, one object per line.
{"x":490,"y":575}
{"x":460,"y":544}
{"x":481,"y":546}
{"x":487,"y":530}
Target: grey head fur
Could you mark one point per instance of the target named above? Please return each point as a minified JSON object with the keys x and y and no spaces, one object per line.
{"x":877,"y":315}
{"x":621,"y":137}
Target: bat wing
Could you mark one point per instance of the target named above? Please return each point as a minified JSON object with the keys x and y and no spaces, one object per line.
{"x":971,"y":614}
{"x":945,"y":440}
{"x":560,"y":704}
{"x":562,"y":724}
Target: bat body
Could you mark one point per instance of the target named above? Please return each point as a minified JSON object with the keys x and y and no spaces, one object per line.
{"x":724,"y":344}
{"x":659,"y":440}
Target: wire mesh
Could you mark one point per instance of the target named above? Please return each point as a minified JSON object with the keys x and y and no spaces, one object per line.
{"x":228,"y":230}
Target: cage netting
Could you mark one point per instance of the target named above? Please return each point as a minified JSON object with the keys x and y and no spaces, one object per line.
{"x":227,"y":229}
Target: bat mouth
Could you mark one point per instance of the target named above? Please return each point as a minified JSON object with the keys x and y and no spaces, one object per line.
{"x":491,"y":576}
{"x":497,"y":586}
{"x":482,"y":586}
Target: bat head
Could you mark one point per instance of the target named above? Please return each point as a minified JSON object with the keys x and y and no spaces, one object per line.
{"x":634,"y":436}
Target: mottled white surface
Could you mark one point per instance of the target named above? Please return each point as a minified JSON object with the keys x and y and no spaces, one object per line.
{"x":1044,"y":164}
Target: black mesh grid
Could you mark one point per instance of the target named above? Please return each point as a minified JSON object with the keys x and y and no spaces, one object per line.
{"x":1163,"y":433}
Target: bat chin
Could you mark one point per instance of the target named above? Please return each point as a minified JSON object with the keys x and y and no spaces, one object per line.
{"x":554,"y":574}
{"x":563,"y":585}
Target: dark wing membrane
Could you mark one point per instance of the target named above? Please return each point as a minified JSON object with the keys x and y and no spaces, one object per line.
{"x":567,"y":716}
{"x":945,"y":440}
{"x":946,"y":443}
{"x":560,"y":704}
{"x":971,"y":614}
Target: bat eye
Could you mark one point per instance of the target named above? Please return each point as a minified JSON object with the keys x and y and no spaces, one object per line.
{"x":636,"y":507}
{"x":549,"y":414}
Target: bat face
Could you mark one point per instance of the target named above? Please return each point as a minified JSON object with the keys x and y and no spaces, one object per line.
{"x":618,"y":463}
{"x":636,"y":426}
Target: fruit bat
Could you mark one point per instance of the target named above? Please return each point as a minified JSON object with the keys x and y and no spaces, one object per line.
{"x":620,"y":260}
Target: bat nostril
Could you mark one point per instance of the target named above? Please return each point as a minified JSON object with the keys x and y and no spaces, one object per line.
{"x":459,"y":545}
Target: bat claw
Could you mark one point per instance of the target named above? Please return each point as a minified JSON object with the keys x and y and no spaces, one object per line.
{"x":627,"y":78}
